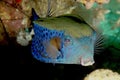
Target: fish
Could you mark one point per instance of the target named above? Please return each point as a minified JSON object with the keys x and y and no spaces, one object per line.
{"x":65,"y":39}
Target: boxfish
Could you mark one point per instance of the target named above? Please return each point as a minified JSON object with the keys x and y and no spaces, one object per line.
{"x":65,"y":39}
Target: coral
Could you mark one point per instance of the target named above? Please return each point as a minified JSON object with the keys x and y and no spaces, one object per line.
{"x":103,"y":74}
{"x":24,"y":37}
{"x":90,"y":3}
{"x":15,"y":14}
{"x":12,"y":17}
{"x":53,"y":8}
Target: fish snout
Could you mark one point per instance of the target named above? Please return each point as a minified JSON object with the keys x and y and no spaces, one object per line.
{"x":87,"y":62}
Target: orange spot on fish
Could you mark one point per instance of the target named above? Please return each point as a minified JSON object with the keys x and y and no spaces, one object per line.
{"x":56,"y":42}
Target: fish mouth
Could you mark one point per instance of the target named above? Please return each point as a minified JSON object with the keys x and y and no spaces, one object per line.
{"x":87,"y":62}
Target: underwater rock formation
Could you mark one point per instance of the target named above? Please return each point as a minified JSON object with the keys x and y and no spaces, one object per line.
{"x":12,"y":17}
{"x":103,"y":74}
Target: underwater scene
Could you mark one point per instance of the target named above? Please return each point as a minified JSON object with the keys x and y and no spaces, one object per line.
{"x":69,"y":39}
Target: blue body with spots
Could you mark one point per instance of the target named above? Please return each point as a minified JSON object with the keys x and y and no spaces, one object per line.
{"x":71,"y":50}
{"x":42,"y":37}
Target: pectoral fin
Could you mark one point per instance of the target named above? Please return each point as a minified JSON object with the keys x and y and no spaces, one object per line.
{"x":53,"y":48}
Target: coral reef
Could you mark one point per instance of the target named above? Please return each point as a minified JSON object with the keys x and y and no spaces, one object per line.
{"x":12,"y":16}
{"x":53,"y":8}
{"x":100,"y":14}
{"x":2,"y":35}
{"x":15,"y":14}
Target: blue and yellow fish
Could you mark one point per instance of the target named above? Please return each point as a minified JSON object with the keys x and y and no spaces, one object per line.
{"x":64,"y":39}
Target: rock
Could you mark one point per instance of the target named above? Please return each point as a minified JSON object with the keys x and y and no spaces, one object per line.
{"x":103,"y":74}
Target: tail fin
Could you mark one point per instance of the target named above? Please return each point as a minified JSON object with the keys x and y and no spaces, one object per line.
{"x":34,"y":15}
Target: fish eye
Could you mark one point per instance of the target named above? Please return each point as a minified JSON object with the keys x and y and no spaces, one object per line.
{"x":67,"y":39}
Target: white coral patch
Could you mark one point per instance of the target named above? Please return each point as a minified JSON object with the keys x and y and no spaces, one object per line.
{"x":103,"y":74}
{"x":23,"y":38}
{"x":22,"y":41}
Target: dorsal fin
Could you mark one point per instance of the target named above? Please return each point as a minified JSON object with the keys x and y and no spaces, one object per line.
{"x":34,"y":15}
